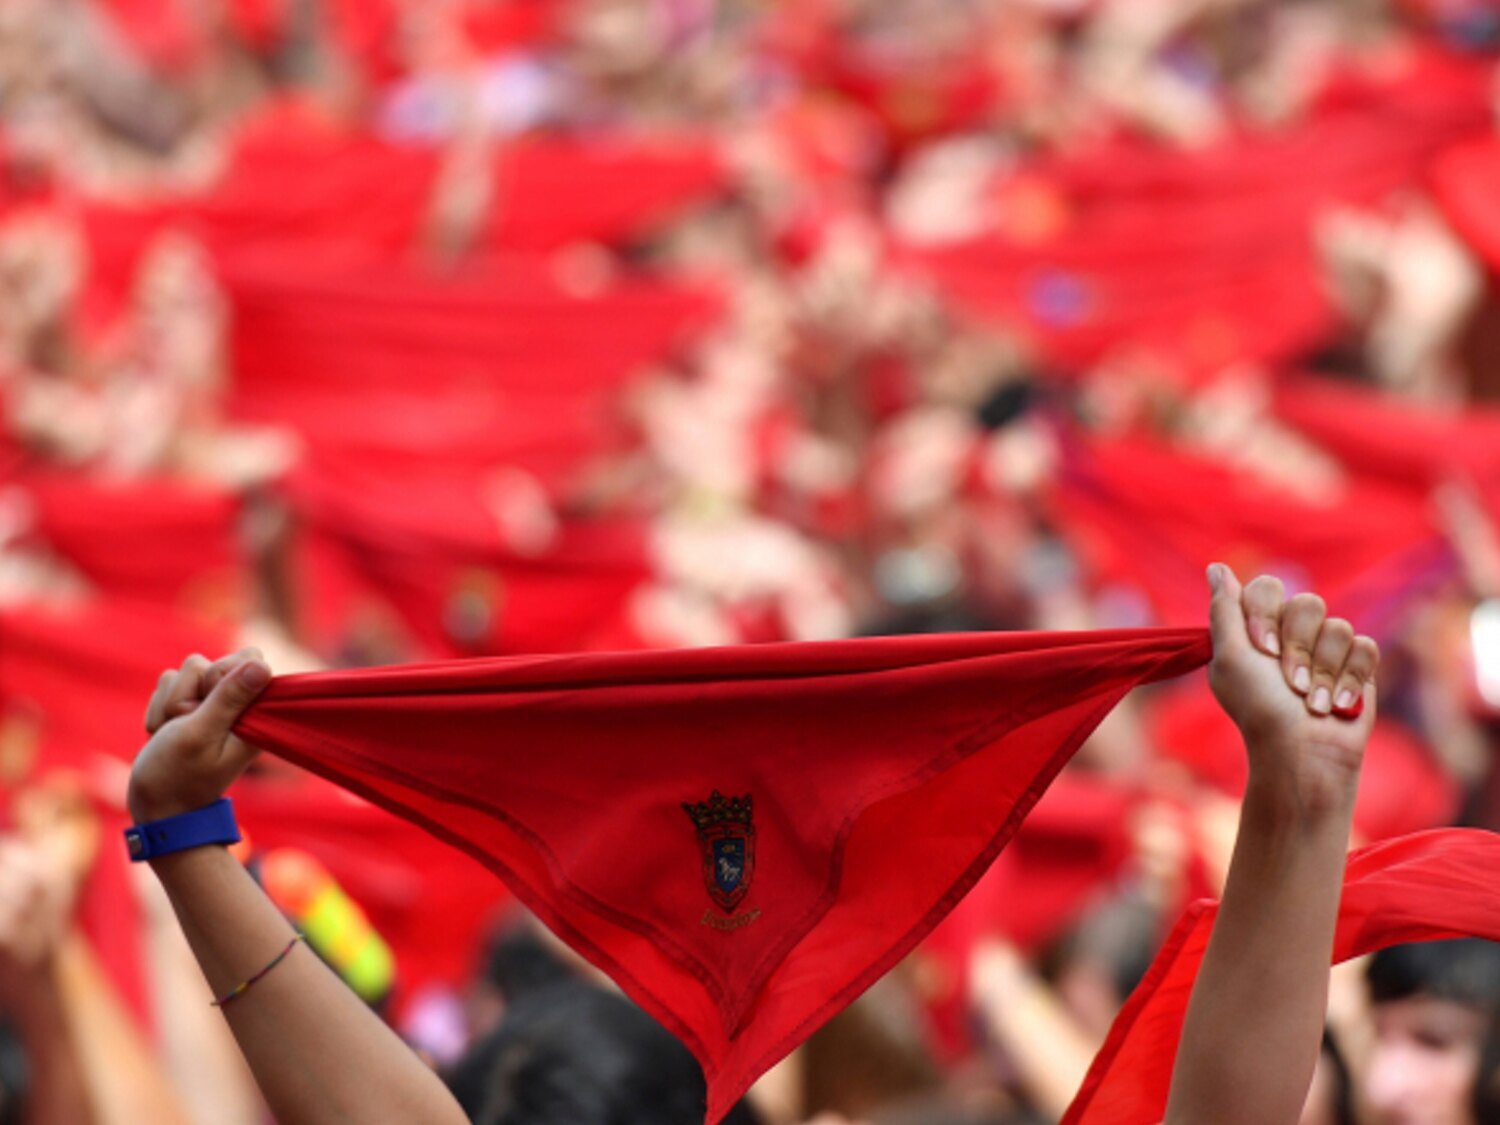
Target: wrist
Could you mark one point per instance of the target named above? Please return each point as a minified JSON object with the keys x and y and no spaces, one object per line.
{"x":193,"y":863}
{"x":211,"y":824}
{"x":144,"y":808}
{"x":147,"y":803}
{"x":1300,"y":790}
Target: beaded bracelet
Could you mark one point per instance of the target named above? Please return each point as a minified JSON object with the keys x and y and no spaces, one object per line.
{"x":240,"y":989}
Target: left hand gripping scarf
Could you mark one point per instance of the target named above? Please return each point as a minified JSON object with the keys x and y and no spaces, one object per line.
{"x":743,"y":838}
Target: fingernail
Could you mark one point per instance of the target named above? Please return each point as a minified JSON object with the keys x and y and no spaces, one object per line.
{"x":1215,"y":577}
{"x":1273,"y":642}
{"x":1344,"y":700}
{"x":1302,"y":678}
{"x":1321,"y":701}
{"x":255,"y":675}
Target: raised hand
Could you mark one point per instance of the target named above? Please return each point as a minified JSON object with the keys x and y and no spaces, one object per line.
{"x":1299,"y":684}
{"x":192,"y":757}
{"x":1281,"y":668}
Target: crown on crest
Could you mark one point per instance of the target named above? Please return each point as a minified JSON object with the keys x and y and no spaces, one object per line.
{"x":719,"y":809}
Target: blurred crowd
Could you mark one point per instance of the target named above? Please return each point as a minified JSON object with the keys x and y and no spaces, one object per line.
{"x":371,"y":331}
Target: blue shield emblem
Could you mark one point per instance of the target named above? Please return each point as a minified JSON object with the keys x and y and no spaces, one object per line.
{"x":726,"y":846}
{"x":729,"y":863}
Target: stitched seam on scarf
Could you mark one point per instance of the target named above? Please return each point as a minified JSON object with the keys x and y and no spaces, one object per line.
{"x":908,"y":941}
{"x":732,"y":1007}
{"x":1174,"y":637}
{"x":561,"y":887}
{"x":965,"y":747}
{"x":1132,"y":1010}
{"x":523,"y":888}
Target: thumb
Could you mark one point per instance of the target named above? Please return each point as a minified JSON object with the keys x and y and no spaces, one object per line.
{"x":1226,"y":613}
{"x":230,"y":696}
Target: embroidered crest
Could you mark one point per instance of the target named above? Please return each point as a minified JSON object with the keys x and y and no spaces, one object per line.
{"x":726,"y":843}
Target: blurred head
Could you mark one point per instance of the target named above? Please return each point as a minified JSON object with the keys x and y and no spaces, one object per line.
{"x":941,"y":1111}
{"x":12,"y":1078}
{"x":569,"y":1053}
{"x":1432,"y":1002}
{"x":517,"y":960}
{"x":1486,"y":1102}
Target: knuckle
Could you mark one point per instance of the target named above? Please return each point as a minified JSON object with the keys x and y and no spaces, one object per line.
{"x":1308,"y":604}
{"x":1269,"y":599}
{"x":1265,"y":590}
{"x":1337,"y":628}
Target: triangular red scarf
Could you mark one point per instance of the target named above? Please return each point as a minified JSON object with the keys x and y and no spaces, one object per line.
{"x":1423,"y":887}
{"x":743,"y":838}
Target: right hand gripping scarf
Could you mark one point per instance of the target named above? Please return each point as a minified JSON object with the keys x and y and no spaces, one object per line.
{"x":744,"y":838}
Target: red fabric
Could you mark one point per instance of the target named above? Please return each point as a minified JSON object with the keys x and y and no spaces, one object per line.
{"x":1074,"y":843}
{"x":294,"y":174}
{"x":377,"y":358}
{"x":936,"y":96}
{"x":911,"y":91}
{"x":430,"y":906}
{"x":414,"y":547}
{"x":73,"y":690}
{"x":1466,"y":182}
{"x":1387,"y":437}
{"x":1076,"y":840}
{"x":367,"y":32}
{"x":294,"y":180}
{"x":1202,"y":257}
{"x":1154,"y":517}
{"x":547,"y":190}
{"x":1170,"y":296}
{"x":163,"y":32}
{"x":1423,"y":887}
{"x":110,"y":654}
{"x":1402,"y":787}
{"x":116,"y":237}
{"x":431,"y":547}
{"x":493,"y":29}
{"x":883,"y":775}
{"x":260,"y":23}
{"x":161,"y":542}
{"x":303,"y":181}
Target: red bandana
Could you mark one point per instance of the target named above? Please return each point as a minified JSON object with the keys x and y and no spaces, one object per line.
{"x":743,"y":838}
{"x":1422,"y":887}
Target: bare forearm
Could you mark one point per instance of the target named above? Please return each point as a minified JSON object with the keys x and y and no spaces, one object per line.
{"x":1049,"y":1050}
{"x":125,"y":1083}
{"x":319,"y":1054}
{"x":59,"y":1092}
{"x":1250,"y":1038}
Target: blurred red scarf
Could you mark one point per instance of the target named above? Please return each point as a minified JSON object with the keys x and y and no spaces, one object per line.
{"x":743,"y":838}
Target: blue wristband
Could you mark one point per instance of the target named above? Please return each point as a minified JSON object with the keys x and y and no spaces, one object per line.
{"x":212,"y":824}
